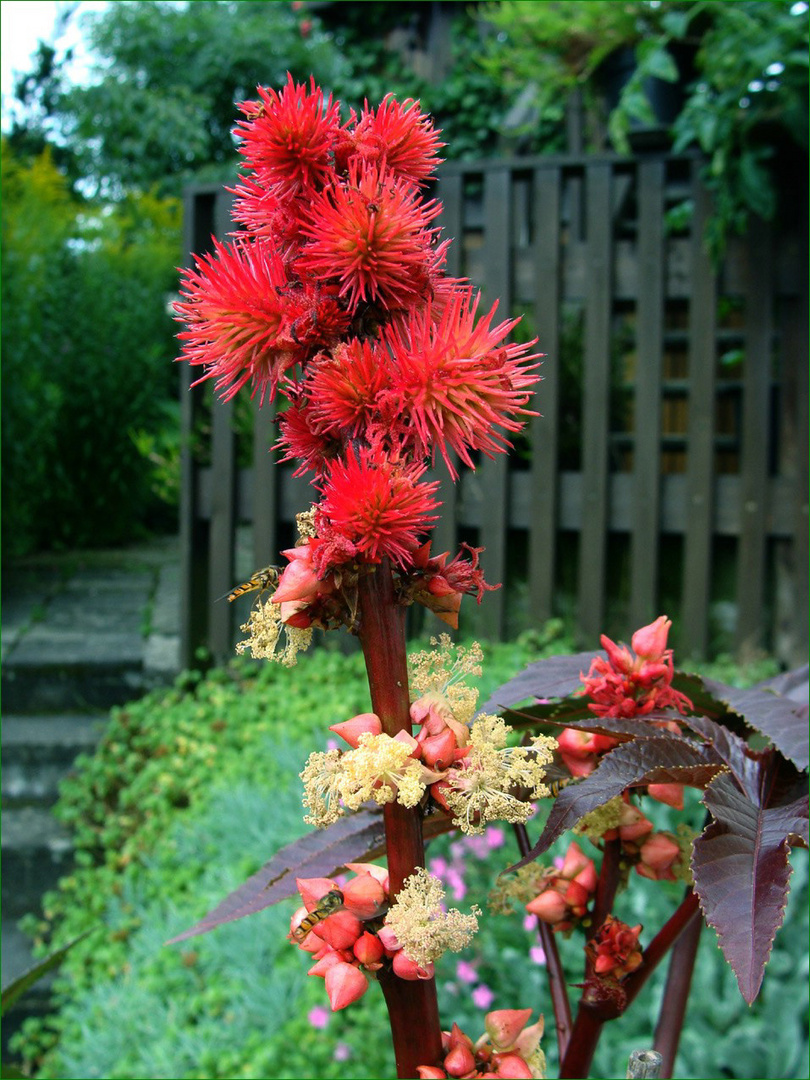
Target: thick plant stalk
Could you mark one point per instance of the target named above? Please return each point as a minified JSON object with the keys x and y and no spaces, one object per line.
{"x":676,"y":994}
{"x":412,"y":1006}
{"x":556,"y":975}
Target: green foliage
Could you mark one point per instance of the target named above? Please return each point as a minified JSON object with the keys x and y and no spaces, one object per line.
{"x":87,"y":349}
{"x":195,"y":787}
{"x":744,"y":64}
{"x":164,"y":106}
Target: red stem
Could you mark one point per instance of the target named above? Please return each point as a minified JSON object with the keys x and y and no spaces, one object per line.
{"x":666,"y":937}
{"x":676,"y":995}
{"x":412,"y":1006}
{"x":556,"y":975}
{"x":608,"y":883}
{"x":592,"y":1015}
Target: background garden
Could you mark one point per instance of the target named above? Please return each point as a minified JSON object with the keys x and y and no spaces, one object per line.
{"x":92,"y":232}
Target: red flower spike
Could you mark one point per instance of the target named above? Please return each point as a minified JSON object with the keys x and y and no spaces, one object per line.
{"x":627,"y":686}
{"x":288,"y":137}
{"x":378,"y":506}
{"x":457,"y":381}
{"x":235,"y":311}
{"x":344,"y":389}
{"x":400,"y":137}
{"x":371,"y":234}
{"x":344,"y":984}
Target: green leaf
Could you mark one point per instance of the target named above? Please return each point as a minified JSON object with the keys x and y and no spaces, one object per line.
{"x":660,"y":63}
{"x":17,"y":987}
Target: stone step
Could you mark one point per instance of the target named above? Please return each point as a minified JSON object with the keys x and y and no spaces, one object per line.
{"x":36,"y":852}
{"x":39,"y":751}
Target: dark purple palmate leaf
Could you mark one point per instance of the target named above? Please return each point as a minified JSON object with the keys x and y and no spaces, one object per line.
{"x":741,"y":870}
{"x":317,"y":854}
{"x":556,"y":677}
{"x":617,"y":727}
{"x":665,"y":759}
{"x":358,"y":837}
{"x":783,"y":720}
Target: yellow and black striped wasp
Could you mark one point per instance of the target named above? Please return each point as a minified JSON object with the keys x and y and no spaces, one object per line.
{"x":264,"y":579}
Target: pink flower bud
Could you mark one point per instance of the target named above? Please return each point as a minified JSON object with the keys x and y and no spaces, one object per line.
{"x":512,"y":1066}
{"x":650,"y":641}
{"x":575,"y":861}
{"x":619,"y":657}
{"x":459,"y":1061}
{"x":438,"y":750}
{"x":529,"y":1039}
{"x":314,"y":889}
{"x":326,"y":962}
{"x":408,"y":969}
{"x":298,"y":582}
{"x":432,"y":710}
{"x":504,"y":1025}
{"x":364,"y":896}
{"x":658,"y":855}
{"x":633,"y":823}
{"x":548,"y":906}
{"x":340,"y":930}
{"x":344,"y":984}
{"x":576,"y":743}
{"x":671,"y":794}
{"x":378,"y":872}
{"x":588,"y":877}
{"x":351,"y":730}
{"x":369,"y":950}
{"x":430,"y":1072}
{"x":388,"y":939}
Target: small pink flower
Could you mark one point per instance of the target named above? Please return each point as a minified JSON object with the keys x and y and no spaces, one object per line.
{"x":342,"y":1052}
{"x":482,"y":996}
{"x":318,"y":1017}
{"x":538,"y":955}
{"x":494,"y":837}
{"x":466,"y":972}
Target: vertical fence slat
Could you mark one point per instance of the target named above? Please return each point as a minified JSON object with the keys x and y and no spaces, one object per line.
{"x":492,"y":475}
{"x":596,"y":394}
{"x":197,"y":227}
{"x":756,"y":415}
{"x":697,"y":560}
{"x":265,"y":487}
{"x":223,"y":497}
{"x":647,"y":426}
{"x":450,"y":190}
{"x":545,"y":428}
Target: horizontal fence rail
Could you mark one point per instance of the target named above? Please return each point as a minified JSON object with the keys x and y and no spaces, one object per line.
{"x":668,"y":470}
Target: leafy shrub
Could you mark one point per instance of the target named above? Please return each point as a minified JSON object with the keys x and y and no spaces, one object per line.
{"x":191,"y":790}
{"x":87,"y":344}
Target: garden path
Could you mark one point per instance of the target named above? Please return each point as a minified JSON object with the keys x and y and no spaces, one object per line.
{"x":81,"y":632}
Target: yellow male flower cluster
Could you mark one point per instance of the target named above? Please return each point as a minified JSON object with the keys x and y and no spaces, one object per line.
{"x":442,"y":669}
{"x":265,"y":629}
{"x":379,"y":768}
{"x":481,"y":790}
{"x":420,"y":925}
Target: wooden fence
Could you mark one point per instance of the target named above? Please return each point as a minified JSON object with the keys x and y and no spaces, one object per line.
{"x":668,"y":471}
